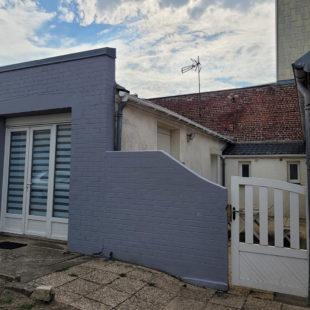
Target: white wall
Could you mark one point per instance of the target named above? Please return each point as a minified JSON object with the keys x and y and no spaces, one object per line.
{"x":266,"y":167}
{"x":140,"y":133}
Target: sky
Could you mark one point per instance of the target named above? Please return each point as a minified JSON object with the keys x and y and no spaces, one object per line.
{"x":154,"y":39}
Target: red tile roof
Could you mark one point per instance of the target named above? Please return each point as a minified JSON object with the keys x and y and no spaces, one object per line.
{"x":252,"y":114}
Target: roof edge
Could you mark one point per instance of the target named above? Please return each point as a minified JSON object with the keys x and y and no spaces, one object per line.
{"x":157,"y":107}
{"x":278,"y":83}
{"x":105,"y":51}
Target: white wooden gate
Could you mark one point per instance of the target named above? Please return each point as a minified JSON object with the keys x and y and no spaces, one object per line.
{"x":269,"y":237}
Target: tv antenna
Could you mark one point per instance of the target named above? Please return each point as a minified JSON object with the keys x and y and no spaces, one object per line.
{"x":196,"y":65}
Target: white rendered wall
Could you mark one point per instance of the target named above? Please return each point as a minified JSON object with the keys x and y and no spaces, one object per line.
{"x":140,"y":133}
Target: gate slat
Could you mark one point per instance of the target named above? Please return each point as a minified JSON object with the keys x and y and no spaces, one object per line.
{"x":263,"y":216}
{"x":278,"y":217}
{"x":248,"y":214}
{"x":294,"y":220}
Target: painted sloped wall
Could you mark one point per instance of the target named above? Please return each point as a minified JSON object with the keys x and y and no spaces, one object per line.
{"x":158,"y":213}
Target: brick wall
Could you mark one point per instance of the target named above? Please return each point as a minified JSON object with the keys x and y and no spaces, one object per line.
{"x":293,"y":34}
{"x":158,"y":213}
{"x":261,"y":113}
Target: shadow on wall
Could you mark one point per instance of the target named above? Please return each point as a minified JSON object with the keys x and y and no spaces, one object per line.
{"x":160,"y":214}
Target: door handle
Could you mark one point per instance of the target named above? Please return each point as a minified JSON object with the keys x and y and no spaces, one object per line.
{"x":236,"y":211}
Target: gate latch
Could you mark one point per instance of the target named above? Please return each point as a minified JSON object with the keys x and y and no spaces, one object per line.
{"x":234,"y":211}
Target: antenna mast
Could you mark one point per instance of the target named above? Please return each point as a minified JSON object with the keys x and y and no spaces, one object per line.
{"x":196,"y":65}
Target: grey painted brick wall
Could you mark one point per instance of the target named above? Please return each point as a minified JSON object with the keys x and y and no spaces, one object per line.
{"x":86,"y":86}
{"x":145,"y":207}
{"x":157,"y":213}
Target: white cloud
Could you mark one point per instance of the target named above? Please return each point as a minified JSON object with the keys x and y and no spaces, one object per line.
{"x":66,"y":15}
{"x":236,"y":44}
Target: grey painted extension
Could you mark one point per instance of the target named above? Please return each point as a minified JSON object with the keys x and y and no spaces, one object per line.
{"x":145,"y":207}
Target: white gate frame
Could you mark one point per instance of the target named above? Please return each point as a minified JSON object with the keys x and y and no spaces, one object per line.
{"x":275,"y":268}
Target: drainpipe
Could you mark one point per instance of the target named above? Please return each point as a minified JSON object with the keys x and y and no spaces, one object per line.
{"x":124,"y":96}
{"x":223,"y":170}
{"x":300,"y":80}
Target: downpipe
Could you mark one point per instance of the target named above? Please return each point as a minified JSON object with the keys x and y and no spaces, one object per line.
{"x":306,"y":94}
{"x":119,"y":127}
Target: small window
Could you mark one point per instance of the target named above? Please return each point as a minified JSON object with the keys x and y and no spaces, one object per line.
{"x":244,"y":169}
{"x":293,"y":172}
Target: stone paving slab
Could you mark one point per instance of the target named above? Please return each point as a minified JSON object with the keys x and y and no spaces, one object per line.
{"x":87,"y":283}
{"x":80,"y":286}
{"x":109,"y":296}
{"x":154,"y":295}
{"x":134,"y":303}
{"x":100,"y":276}
{"x":230,"y":300}
{"x":179,"y":303}
{"x":127,"y":285}
{"x":257,"y":303}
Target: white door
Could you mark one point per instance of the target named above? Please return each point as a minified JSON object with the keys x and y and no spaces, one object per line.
{"x":36,"y":181}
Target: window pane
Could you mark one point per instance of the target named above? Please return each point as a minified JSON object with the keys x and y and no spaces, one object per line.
{"x":16,"y":172}
{"x":293,"y":172}
{"x":245,"y":170}
{"x":39,"y":172}
{"x":62,"y":171}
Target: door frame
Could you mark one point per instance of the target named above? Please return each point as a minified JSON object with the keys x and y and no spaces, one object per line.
{"x":30,"y":124}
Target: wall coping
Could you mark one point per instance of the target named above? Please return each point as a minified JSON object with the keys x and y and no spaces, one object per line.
{"x":106,"y":51}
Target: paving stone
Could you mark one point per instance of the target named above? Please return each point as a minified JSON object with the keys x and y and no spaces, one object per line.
{"x":54,"y":279}
{"x":179,"y":303}
{"x":167,"y":283}
{"x":262,"y":294}
{"x":291,"y":307}
{"x":66,"y":297}
{"x":79,"y":270}
{"x":229,"y":300}
{"x":257,"y":303}
{"x":100,"y":276}
{"x":109,"y":296}
{"x":196,"y":293}
{"x":141,"y":274}
{"x":88,"y":304}
{"x":239,"y":290}
{"x":134,"y":303}
{"x":212,"y":306}
{"x":127,"y":285}
{"x":119,"y":267}
{"x":99,"y":263}
{"x":80,"y":286}
{"x":154,"y":295}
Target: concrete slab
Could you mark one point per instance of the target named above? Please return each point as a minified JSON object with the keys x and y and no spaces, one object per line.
{"x":80,"y":286}
{"x":37,"y":258}
{"x":109,"y":296}
{"x":155,"y":295}
{"x":100,"y":276}
{"x":127,"y":285}
{"x":134,"y":303}
{"x":180,"y":303}
{"x":257,"y":303}
{"x":229,"y":300}
{"x":196,"y":293}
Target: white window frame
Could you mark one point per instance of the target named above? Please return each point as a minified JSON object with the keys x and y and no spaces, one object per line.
{"x":289,"y":179}
{"x":241,"y":163}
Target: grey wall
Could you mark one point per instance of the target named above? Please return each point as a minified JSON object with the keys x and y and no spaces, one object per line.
{"x":86,"y":85}
{"x":157,"y":213}
{"x":145,"y":207}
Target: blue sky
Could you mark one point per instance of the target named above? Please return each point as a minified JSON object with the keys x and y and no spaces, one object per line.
{"x":235,"y":39}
